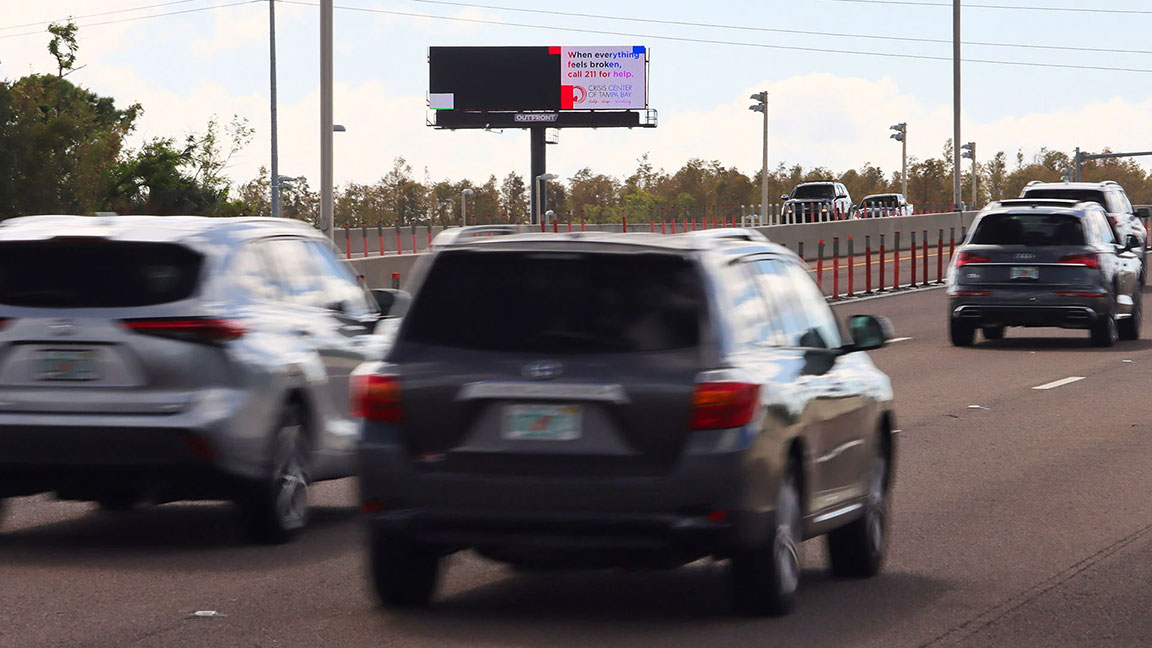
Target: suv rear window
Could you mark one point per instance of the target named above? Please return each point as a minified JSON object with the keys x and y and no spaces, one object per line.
{"x":95,"y":273}
{"x":1079,"y":195}
{"x":558,"y":303}
{"x":1029,"y":229}
{"x":814,"y":191}
{"x":882,"y":201}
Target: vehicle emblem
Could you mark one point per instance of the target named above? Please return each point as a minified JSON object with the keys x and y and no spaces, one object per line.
{"x":62,"y":327}
{"x":542,"y":369}
{"x":1026,"y":255}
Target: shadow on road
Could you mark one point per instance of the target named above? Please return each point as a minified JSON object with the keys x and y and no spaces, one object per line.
{"x":1034,"y":342}
{"x":689,"y":603}
{"x":203,"y":536}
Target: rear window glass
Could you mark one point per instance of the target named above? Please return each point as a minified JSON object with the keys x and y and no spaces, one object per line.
{"x":1079,"y":195}
{"x":814,"y":191}
{"x":95,"y":273}
{"x":882,"y":201}
{"x":561,"y":303}
{"x":1029,"y":229}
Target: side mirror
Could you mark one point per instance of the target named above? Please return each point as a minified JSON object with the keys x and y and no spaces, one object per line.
{"x":783,"y":196}
{"x":392,"y":302}
{"x":840,"y":196}
{"x":869,"y":332}
{"x":1131,"y":242}
{"x":1143,"y":213}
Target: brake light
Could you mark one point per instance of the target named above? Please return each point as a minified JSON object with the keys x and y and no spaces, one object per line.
{"x":718,"y":405}
{"x":1086,"y":260}
{"x":964,"y":258}
{"x":4,"y":322}
{"x":377,"y":398}
{"x":971,"y":293}
{"x":189,"y":329}
{"x":1073,"y":293}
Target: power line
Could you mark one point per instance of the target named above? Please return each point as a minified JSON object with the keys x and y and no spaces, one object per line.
{"x":709,"y":41}
{"x":102,"y":13}
{"x":686,"y":23}
{"x":917,"y":3}
{"x":134,"y":19}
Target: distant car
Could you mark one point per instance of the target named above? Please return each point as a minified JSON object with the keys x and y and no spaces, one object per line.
{"x":600,"y":400}
{"x":1051,"y":263}
{"x":153,"y":359}
{"x":881,"y":205}
{"x":814,"y":202}
{"x":1109,"y":195}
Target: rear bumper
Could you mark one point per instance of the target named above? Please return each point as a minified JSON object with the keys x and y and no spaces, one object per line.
{"x":1069,"y":313}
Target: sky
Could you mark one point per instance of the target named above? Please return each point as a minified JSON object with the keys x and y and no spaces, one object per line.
{"x":827,"y":108}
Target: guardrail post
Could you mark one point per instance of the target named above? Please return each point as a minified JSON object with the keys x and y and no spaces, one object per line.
{"x":940,"y":257}
{"x":820,"y":264}
{"x":581,"y":220}
{"x":896,"y":261}
{"x":800,"y":250}
{"x":415,"y":245}
{"x":399,"y":241}
{"x":395,"y":281}
{"x":851,"y":268}
{"x":835,"y":267}
{"x":883,"y":262}
{"x":867,"y":264}
{"x":624,"y":221}
{"x":912,"y":254}
{"x":925,"y":246}
{"x":951,"y":243}
{"x":428,"y":227}
{"x":380,"y":234}
{"x":364,"y":239}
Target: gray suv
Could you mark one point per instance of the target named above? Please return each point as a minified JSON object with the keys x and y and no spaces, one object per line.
{"x":1055,"y":263}
{"x":599,"y":400}
{"x":148,"y":359}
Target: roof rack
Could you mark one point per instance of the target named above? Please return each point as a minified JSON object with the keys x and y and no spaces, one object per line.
{"x":1111,"y":182}
{"x":1034,"y":182}
{"x":455,"y":234}
{"x":729,"y":234}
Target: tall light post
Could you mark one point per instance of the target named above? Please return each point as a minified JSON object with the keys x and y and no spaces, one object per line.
{"x":275,"y":201}
{"x":464,"y":207}
{"x":761,"y":106}
{"x":326,"y":125}
{"x":901,"y":135}
{"x":956,"y":104}
{"x":543,"y":202}
{"x":969,"y":151}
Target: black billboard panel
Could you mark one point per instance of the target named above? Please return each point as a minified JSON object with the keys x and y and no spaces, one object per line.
{"x":495,"y":78}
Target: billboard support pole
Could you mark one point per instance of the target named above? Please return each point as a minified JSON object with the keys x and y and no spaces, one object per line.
{"x":539,"y":168}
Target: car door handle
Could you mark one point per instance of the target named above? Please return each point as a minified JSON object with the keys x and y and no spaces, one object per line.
{"x":302,"y":332}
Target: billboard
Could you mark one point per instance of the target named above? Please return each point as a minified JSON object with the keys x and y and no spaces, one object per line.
{"x":524,"y":79}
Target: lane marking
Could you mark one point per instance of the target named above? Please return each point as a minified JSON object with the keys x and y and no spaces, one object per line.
{"x":1058,"y":383}
{"x":899,"y":339}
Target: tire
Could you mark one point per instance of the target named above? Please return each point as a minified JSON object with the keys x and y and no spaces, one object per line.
{"x":993,"y":332}
{"x":857,"y":549}
{"x":961,"y":334}
{"x":1104,"y":331}
{"x":403,"y":573}
{"x":765,"y":578}
{"x":1129,"y":329}
{"x":276,"y":508}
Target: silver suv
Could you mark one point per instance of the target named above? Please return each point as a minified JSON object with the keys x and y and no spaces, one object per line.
{"x":1109,"y":195}
{"x":148,"y":359}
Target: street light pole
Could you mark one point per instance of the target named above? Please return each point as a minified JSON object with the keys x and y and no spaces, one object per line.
{"x":541,"y":180}
{"x":901,"y":135}
{"x":969,"y":151}
{"x":464,"y":207}
{"x":326,"y":119}
{"x":272,"y":74}
{"x":761,"y":106}
{"x":956,"y":104}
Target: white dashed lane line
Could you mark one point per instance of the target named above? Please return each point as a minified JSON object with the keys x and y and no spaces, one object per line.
{"x":1059,"y":383}
{"x":899,"y":339}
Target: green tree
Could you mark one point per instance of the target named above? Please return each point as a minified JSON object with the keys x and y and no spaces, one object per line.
{"x":63,"y":47}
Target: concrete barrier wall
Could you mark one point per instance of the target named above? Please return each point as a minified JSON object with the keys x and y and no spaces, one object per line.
{"x":377,"y":270}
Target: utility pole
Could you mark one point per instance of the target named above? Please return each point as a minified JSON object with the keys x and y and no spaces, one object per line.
{"x":761,"y":106}
{"x":969,"y":151}
{"x":956,"y":105}
{"x":901,"y":135}
{"x":326,"y":220}
{"x":272,"y":72}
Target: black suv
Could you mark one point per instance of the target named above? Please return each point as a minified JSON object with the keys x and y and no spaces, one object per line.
{"x":1044,"y":263}
{"x":598,"y":400}
{"x":815,"y":202}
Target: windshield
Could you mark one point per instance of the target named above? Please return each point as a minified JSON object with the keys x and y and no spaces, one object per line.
{"x":882,"y":201}
{"x":558,"y":303}
{"x":1079,"y":195}
{"x":814,"y":191}
{"x":1029,"y":229}
{"x":95,"y":273}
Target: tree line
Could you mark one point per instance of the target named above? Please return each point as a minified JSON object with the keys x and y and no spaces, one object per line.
{"x":63,"y":149}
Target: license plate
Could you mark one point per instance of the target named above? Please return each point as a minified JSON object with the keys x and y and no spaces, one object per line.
{"x":67,"y":364}
{"x":1025,"y":272}
{"x":542,"y":422}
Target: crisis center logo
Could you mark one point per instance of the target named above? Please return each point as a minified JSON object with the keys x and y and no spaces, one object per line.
{"x":579,"y":94}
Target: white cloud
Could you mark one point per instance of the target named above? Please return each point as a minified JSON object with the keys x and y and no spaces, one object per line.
{"x":232,"y":29}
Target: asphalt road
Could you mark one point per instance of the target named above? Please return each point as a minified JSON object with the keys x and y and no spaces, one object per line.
{"x":1025,"y":521}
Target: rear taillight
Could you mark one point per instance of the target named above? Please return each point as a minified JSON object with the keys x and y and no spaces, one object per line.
{"x":964,"y":258}
{"x":1086,"y":260}
{"x":377,"y":398}
{"x":4,"y":322}
{"x":971,"y":293}
{"x":717,"y":405}
{"x":189,"y":329}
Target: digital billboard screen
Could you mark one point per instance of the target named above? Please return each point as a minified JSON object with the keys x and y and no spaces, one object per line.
{"x":538,"y":78}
